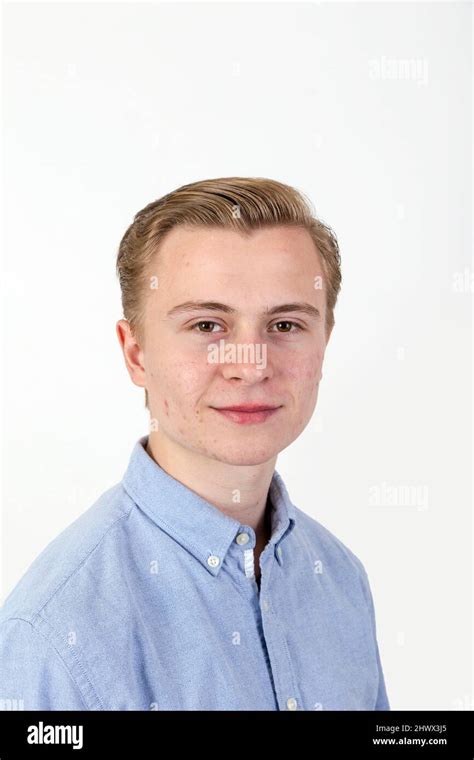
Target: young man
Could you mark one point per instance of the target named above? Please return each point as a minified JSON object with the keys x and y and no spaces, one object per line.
{"x":195,"y":583}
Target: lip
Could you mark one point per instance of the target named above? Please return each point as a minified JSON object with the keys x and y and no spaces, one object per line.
{"x":248,"y":413}
{"x":246,"y":408}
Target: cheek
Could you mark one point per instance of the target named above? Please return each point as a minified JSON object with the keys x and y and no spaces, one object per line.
{"x":306,"y":372}
{"x":181,"y":382}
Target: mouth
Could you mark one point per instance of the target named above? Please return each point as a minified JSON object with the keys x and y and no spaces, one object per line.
{"x":247,"y":413}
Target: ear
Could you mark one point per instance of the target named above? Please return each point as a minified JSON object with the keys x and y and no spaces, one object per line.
{"x":132,"y":352}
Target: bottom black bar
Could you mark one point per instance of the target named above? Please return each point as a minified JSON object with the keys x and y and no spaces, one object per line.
{"x":446,"y":734}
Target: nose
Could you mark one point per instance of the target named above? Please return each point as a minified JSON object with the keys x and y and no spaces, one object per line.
{"x":246,"y":358}
{"x":250,"y":374}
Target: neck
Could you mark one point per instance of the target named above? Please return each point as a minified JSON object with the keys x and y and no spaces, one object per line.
{"x":239,"y":491}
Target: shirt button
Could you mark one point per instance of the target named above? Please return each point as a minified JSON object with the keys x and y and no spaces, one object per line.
{"x":265,"y":605}
{"x":291,"y":703}
{"x":213,"y":561}
{"x":242,"y":538}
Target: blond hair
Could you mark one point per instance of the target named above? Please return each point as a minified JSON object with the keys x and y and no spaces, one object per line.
{"x":242,"y":204}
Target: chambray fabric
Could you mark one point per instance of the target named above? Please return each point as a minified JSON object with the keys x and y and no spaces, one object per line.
{"x":148,"y":601}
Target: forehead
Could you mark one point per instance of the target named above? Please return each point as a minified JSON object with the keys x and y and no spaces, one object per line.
{"x":227,"y":251}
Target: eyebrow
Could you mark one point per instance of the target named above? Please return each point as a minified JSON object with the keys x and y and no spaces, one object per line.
{"x":189,"y":306}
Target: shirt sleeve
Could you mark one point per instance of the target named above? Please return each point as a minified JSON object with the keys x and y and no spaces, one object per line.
{"x":33,"y":676}
{"x":382,"y":702}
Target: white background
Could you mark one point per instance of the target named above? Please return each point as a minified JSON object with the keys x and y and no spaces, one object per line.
{"x":109,"y":106}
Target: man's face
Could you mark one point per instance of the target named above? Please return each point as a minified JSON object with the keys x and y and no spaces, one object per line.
{"x":251,"y":275}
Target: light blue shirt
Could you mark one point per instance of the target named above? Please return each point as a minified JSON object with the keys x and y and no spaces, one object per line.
{"x":148,"y":601}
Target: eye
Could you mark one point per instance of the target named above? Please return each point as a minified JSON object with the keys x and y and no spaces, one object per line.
{"x":287,"y":322}
{"x":204,"y":322}
{"x":207,"y":322}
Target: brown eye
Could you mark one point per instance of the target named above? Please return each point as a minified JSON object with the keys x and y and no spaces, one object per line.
{"x":291,"y":324}
{"x":203,"y":322}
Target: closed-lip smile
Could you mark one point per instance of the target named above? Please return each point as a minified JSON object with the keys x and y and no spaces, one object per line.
{"x":247,"y":414}
{"x":246,"y":408}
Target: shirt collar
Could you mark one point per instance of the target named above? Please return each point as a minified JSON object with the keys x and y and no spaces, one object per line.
{"x":197,"y":525}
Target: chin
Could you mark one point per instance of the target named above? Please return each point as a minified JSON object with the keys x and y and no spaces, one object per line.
{"x":245,"y":456}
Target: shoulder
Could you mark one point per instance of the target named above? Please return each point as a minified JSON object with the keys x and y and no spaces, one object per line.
{"x":60,"y":564}
{"x":324,"y":546}
{"x":46,"y":618}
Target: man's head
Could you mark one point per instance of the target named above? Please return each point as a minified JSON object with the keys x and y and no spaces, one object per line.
{"x":253,"y":246}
